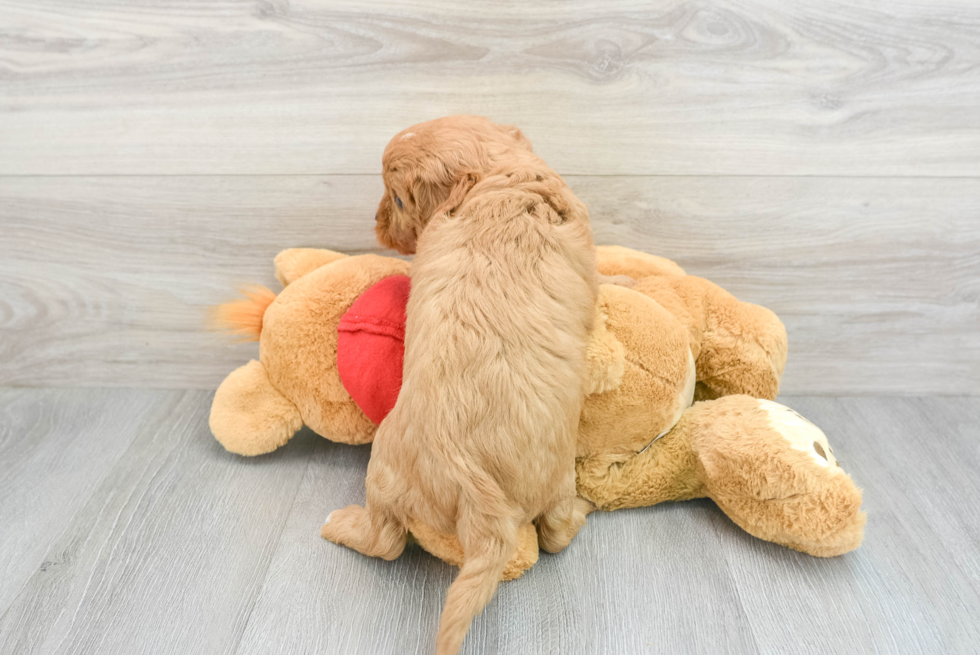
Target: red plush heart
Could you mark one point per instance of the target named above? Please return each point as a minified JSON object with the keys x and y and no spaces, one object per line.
{"x":371,"y":346}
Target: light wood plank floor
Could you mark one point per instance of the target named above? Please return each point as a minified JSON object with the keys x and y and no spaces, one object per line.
{"x":125,"y":528}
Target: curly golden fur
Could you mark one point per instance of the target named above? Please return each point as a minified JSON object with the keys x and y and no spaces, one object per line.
{"x":482,"y":438}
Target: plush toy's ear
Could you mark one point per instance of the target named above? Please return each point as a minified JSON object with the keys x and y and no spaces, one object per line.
{"x":618,"y":260}
{"x":294,"y":263}
{"x":461,"y":187}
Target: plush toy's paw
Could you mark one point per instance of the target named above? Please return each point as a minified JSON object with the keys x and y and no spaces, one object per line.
{"x":249,"y":416}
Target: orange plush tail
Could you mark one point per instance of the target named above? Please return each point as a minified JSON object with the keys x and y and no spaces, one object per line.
{"x":243,"y":317}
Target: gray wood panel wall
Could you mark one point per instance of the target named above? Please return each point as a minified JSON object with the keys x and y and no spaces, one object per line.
{"x":822,"y":159}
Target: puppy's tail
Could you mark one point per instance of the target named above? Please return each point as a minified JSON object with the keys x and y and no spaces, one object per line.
{"x":487,"y":549}
{"x":244,"y":317}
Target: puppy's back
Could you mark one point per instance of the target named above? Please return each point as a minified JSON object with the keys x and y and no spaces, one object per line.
{"x":502,"y":301}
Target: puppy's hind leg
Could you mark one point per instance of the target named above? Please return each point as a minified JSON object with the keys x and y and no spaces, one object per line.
{"x":368,"y":530}
{"x":375,"y":529}
{"x":561,"y":522}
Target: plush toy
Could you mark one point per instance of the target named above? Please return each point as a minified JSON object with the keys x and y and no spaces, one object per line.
{"x":330,"y":357}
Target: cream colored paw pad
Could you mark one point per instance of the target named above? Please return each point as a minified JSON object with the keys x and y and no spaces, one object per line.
{"x":801,"y":434}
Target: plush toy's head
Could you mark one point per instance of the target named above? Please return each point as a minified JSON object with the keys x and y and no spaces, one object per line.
{"x":296,"y":381}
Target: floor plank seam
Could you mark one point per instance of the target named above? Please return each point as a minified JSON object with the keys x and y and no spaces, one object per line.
{"x":272,"y":556}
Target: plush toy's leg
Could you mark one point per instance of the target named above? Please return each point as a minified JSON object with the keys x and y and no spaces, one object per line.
{"x":743,"y":352}
{"x":559,"y":525}
{"x":774,"y":474}
{"x":664,"y":471}
{"x":294,"y":263}
{"x":249,"y":416}
{"x":367,"y":530}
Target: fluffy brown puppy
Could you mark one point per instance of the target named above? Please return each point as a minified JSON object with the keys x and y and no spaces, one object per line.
{"x":482,"y":437}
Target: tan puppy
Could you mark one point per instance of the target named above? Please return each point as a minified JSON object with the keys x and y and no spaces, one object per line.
{"x":482,"y":438}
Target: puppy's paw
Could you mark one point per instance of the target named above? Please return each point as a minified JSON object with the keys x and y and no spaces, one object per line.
{"x":341,"y":523}
{"x":618,"y":280}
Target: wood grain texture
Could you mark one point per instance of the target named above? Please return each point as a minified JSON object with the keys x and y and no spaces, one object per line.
{"x":185,"y":548}
{"x":618,"y":88}
{"x":169,"y":553}
{"x":56,"y":446}
{"x":106,"y":280}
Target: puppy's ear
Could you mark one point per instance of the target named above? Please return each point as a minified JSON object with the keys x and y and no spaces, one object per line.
{"x":565,"y":205}
{"x":515,"y":132}
{"x":382,"y":222}
{"x":457,"y":194}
